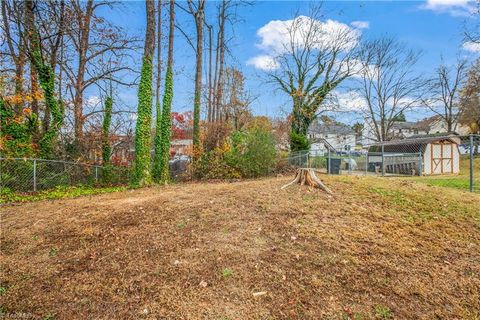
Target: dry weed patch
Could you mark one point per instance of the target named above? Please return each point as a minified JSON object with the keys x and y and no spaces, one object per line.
{"x":378,"y":249}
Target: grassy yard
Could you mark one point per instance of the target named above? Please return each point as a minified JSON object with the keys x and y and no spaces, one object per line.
{"x":379,"y":249}
{"x":461,"y":181}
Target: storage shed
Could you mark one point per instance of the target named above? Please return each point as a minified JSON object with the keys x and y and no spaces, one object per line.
{"x":434,"y":154}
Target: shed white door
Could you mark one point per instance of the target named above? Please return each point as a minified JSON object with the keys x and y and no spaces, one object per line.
{"x":442,"y":155}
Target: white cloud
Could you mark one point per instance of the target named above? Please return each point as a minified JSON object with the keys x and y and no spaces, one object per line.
{"x":471,"y":46}
{"x":92,"y":101}
{"x":276,"y":37}
{"x":350,"y":101}
{"x":360,"y":24}
{"x":263,"y":62}
{"x":453,"y":7}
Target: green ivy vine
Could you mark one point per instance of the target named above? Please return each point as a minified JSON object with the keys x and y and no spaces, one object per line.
{"x":157,"y":169}
{"x":166,"y":126}
{"x":46,"y":77}
{"x":142,"y":171}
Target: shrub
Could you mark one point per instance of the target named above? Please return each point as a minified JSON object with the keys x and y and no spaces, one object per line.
{"x":213,"y":165}
{"x":298,"y":142}
{"x":244,"y":154}
{"x":253,"y":152}
{"x":16,"y":132}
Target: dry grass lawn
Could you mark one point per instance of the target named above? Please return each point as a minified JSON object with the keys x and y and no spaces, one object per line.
{"x":381,"y":248}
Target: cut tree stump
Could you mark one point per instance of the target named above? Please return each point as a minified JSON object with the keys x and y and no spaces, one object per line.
{"x":306,"y":176}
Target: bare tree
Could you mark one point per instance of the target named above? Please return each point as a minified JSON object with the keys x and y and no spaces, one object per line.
{"x":210,"y":83}
{"x":311,"y":63}
{"x":220,"y":57}
{"x":444,"y":91}
{"x":472,"y":32}
{"x":14,"y":38}
{"x":236,"y":100}
{"x":197,"y":10}
{"x":389,"y":84}
{"x":94,"y":41}
{"x":470,"y":99}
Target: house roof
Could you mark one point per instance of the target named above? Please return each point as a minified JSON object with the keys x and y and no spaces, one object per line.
{"x":404,"y":125}
{"x":331,"y":128}
{"x":423,"y":124}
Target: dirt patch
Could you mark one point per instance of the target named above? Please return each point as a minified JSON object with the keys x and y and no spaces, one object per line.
{"x":380,"y":248}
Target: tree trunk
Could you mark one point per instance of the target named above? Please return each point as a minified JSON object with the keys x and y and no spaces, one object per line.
{"x":307,"y":176}
{"x":221,"y":60}
{"x":159,"y":53}
{"x":34,"y":90}
{"x":166,"y":126}
{"x":46,"y":78}
{"x":142,"y":174}
{"x":210,"y":89}
{"x":199,"y":21}
{"x":84,"y":25}
{"x":158,"y":123}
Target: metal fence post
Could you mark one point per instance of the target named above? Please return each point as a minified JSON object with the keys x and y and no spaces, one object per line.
{"x":366,"y":163}
{"x":383,"y":160}
{"x":420,"y":165}
{"x":329,"y":165}
{"x":34,"y":175}
{"x":471,"y":163}
{"x":350,"y":162}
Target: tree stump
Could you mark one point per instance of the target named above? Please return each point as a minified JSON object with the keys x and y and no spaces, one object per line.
{"x":306,"y":176}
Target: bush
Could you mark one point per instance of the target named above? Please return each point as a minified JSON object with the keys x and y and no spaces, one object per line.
{"x":253,"y":152}
{"x":245,"y":154}
{"x":298,"y":142}
{"x":213,"y":165}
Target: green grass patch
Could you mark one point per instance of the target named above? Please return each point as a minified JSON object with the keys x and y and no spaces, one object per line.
{"x":227,"y":273}
{"x":459,"y":182}
{"x":60,"y":192}
{"x":393,"y":195}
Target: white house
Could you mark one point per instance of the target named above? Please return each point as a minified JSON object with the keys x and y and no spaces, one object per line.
{"x":336,"y":136}
{"x":401,"y":130}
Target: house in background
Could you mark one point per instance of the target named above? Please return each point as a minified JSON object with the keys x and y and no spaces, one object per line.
{"x":407,"y":129}
{"x":402,"y":130}
{"x":331,"y":135}
{"x":181,"y":147}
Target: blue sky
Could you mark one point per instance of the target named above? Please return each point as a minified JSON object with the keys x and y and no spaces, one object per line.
{"x":435,"y":28}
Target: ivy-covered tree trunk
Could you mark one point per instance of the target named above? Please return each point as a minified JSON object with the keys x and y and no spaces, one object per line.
{"x":46,"y":77}
{"x":106,"y":148}
{"x":165,"y":127}
{"x":166,"y":122}
{"x":157,"y":161}
{"x":158,"y":132}
{"x":107,"y":119}
{"x":199,"y":25}
{"x":299,"y":127}
{"x":142,"y":173}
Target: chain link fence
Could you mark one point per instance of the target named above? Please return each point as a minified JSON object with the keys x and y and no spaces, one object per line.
{"x":32,"y":175}
{"x":27,"y":175}
{"x":452,"y":161}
